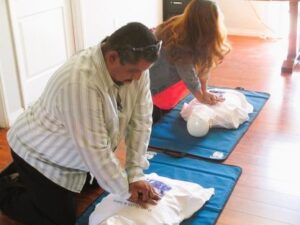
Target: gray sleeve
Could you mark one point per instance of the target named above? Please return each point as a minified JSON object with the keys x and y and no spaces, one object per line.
{"x":189,"y":76}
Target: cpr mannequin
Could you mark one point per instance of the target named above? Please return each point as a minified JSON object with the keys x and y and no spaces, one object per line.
{"x":230,"y":113}
{"x":179,"y":200}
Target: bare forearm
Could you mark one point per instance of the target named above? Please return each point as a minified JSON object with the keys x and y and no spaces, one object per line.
{"x":204,"y":96}
{"x":203,"y":78}
{"x":201,"y":92}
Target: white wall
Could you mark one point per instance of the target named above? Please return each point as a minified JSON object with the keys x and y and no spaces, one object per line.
{"x":255,"y":18}
{"x":100,"y":18}
{"x":242,"y":17}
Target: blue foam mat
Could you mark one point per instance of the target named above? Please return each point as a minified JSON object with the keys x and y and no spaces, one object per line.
{"x":170,"y":133}
{"x":208,"y":174}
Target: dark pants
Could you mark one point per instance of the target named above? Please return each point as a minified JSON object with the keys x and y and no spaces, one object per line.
{"x":158,"y":113}
{"x":40,"y":201}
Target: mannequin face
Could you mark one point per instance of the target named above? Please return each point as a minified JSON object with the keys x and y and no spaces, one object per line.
{"x":125,"y":73}
{"x":198,"y":126}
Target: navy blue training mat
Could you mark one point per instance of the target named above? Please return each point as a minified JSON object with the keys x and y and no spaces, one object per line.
{"x":208,"y":174}
{"x":170,"y":133}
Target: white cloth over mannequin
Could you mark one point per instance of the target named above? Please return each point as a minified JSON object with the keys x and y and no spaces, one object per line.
{"x":179,"y":200}
{"x":230,"y":113}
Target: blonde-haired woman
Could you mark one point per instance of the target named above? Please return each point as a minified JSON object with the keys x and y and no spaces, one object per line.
{"x":193,"y":43}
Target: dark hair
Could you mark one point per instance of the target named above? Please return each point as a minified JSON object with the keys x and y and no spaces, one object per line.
{"x":132,"y":43}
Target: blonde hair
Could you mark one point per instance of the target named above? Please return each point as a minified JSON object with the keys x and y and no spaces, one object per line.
{"x":197,"y":36}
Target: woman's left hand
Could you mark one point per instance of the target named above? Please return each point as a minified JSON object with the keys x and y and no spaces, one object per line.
{"x":211,"y":98}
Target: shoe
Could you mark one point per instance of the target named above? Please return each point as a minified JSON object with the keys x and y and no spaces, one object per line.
{"x":10,"y":185}
{"x":10,"y":169}
{"x":12,"y":180}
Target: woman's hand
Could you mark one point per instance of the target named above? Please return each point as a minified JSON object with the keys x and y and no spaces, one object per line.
{"x":143,"y":193}
{"x":211,"y":98}
{"x":205,"y":96}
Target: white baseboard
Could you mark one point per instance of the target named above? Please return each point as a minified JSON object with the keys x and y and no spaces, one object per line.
{"x":250,"y":33}
{"x":13,"y":116}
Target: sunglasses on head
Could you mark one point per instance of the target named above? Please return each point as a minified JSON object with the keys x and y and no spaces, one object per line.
{"x":152,"y":48}
{"x":149,"y":52}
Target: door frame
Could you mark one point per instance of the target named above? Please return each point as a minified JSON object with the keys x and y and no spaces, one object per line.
{"x":4,"y":120}
{"x":78,"y":23}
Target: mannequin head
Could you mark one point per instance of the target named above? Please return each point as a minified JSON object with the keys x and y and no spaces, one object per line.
{"x":198,"y":125}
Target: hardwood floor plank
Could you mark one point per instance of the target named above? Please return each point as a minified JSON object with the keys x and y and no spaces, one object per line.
{"x":266,"y":211}
{"x":278,"y":199}
{"x":230,"y":217}
{"x":285,"y":168}
{"x":274,"y":185}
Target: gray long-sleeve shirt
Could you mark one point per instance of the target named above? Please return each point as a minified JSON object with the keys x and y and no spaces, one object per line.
{"x":163,"y":74}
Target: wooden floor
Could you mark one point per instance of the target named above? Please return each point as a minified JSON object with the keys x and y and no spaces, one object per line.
{"x":268,"y":191}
